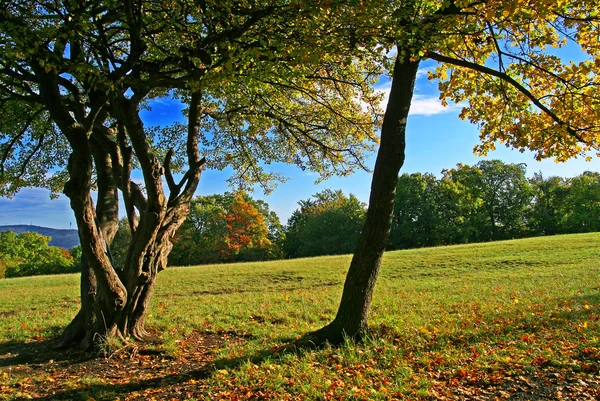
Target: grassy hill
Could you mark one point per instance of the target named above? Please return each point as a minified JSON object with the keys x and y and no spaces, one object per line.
{"x":514,"y":319}
{"x":66,"y":239}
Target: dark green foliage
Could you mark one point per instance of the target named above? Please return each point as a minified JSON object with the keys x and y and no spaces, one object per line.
{"x":491,"y":201}
{"x":501,"y":194}
{"x":547,"y":211}
{"x":582,"y":203}
{"x":468,"y":204}
{"x":120,"y":244}
{"x":329,"y":223}
{"x":418,"y":215}
{"x":29,"y":254}
{"x":76,"y":253}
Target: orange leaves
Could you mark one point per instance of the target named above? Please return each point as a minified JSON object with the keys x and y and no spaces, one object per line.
{"x":246,"y":226}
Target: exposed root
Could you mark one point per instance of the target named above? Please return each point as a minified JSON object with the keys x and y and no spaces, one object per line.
{"x":141,"y":334}
{"x":334,"y":334}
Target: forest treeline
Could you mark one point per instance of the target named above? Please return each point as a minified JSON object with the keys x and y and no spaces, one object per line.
{"x":28,"y":254}
{"x":489,"y":201}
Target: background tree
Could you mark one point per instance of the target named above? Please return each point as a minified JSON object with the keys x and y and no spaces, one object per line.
{"x":495,"y":57}
{"x":120,"y":243}
{"x":547,"y":213}
{"x":28,"y":254}
{"x":327,"y":224}
{"x":417,"y":215}
{"x":75,"y":77}
{"x":459,"y":208}
{"x":226,"y":228}
{"x":582,"y":203}
{"x":201,"y":239}
{"x":501,"y":193}
{"x":247,"y":232}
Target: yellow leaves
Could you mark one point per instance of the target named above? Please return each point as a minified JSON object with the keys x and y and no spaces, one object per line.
{"x":442,"y":74}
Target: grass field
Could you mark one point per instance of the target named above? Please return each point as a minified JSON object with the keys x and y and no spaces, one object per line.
{"x":515,"y":319}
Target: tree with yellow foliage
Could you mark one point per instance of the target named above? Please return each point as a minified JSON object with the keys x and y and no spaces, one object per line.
{"x":505,"y":61}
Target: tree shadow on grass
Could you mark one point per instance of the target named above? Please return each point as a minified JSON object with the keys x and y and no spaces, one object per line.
{"x":13,"y":353}
{"x":178,"y":383}
{"x":170,"y":385}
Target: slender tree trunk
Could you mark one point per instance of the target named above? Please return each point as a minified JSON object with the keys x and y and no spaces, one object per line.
{"x":353,"y":312}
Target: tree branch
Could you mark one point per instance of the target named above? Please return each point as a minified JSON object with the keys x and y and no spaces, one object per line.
{"x":506,"y":78}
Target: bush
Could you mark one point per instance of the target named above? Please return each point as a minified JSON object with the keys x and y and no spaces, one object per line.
{"x":29,"y":254}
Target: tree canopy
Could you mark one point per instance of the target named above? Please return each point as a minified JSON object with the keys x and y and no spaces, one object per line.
{"x":502,"y":61}
{"x":28,"y":254}
{"x":263,"y":82}
{"x":328,"y":223}
{"x":232,"y":227}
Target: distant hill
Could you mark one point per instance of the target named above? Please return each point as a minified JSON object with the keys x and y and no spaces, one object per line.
{"x":61,"y":238}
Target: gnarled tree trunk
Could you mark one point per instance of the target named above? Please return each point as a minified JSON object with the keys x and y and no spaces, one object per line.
{"x":353,"y":312}
{"x":115,"y":299}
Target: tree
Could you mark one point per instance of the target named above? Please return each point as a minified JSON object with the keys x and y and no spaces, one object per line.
{"x":417,"y":217}
{"x":458,"y":207}
{"x":28,"y":254}
{"x":501,"y":194}
{"x":546,"y":216}
{"x":75,"y":75}
{"x":227,"y":228}
{"x":120,"y":242}
{"x":582,"y":203}
{"x":247,"y":233}
{"x":327,"y":224}
{"x":201,"y":239}
{"x":495,"y":57}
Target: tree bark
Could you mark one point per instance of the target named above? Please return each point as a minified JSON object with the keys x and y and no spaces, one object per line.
{"x":102,"y":314}
{"x":352,"y":316}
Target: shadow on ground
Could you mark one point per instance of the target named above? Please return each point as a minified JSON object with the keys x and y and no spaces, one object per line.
{"x":169,"y":385}
{"x":189,"y":376}
{"x":15,"y":353}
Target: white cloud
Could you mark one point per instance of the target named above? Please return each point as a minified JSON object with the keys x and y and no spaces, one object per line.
{"x":423,"y":72}
{"x":430,"y":105}
{"x":422,"y":105}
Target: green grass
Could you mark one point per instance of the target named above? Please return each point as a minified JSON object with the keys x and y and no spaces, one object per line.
{"x":494,"y":318}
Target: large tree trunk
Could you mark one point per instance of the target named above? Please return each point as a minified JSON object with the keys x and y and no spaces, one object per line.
{"x":115,"y":299}
{"x":353,"y":312}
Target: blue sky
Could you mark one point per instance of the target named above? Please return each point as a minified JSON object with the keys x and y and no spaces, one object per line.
{"x":436,"y":139}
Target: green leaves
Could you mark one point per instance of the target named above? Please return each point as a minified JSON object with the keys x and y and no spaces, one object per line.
{"x":32,"y":151}
{"x":225,"y":228}
{"x":28,"y":254}
{"x":328,"y":223}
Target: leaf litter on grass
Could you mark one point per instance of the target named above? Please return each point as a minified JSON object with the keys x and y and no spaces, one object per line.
{"x":450,"y":323}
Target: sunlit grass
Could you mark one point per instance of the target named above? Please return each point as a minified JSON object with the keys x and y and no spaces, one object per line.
{"x":469,"y":316}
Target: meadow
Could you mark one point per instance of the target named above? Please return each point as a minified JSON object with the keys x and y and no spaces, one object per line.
{"x":514,"y":319}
